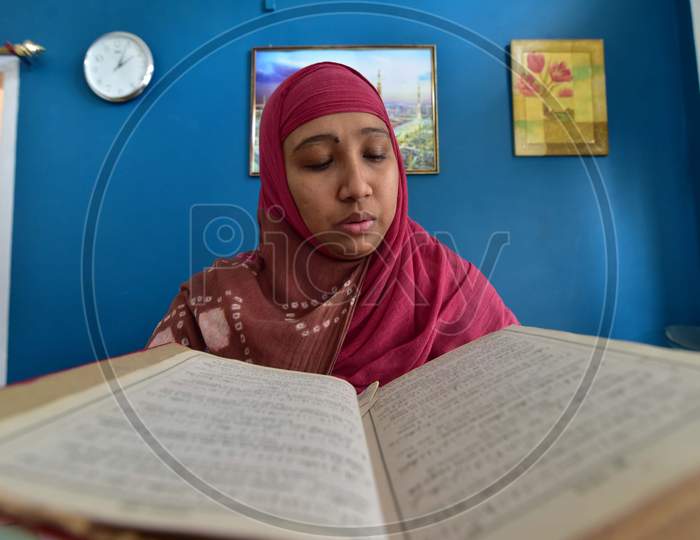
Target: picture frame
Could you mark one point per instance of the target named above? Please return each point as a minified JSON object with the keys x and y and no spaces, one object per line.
{"x":559,"y":98}
{"x":405,"y":76}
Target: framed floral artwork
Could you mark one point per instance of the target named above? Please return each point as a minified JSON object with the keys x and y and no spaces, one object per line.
{"x":404,"y":76}
{"x":559,"y":101}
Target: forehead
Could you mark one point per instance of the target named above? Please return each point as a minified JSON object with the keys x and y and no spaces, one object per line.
{"x":346,"y":124}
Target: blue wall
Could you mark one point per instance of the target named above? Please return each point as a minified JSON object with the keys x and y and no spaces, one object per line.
{"x":191,"y":148}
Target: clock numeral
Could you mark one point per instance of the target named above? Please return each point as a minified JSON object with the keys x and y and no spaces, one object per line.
{"x":99,"y":58}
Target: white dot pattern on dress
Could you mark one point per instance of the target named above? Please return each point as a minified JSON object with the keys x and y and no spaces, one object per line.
{"x":215,"y":329}
{"x":162,"y":337}
{"x":236,"y":310}
{"x":348,"y":288}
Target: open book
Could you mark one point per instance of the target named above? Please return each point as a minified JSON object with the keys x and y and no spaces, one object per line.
{"x":523,"y":433}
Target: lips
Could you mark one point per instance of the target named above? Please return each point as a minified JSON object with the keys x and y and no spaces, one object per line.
{"x":358,"y":227}
{"x":358,"y":217}
{"x":357,"y":222}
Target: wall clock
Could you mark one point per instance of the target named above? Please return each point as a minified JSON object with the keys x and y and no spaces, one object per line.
{"x":118,"y":66}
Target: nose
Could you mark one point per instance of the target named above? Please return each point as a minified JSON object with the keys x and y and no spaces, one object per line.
{"x":354,"y":185}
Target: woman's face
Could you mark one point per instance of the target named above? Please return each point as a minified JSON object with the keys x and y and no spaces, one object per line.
{"x":344,"y":178}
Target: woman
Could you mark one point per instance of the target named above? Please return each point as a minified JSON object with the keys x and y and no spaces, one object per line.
{"x":343,"y":281}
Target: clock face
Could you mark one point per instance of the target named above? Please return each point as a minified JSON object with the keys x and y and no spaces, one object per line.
{"x":118,"y":66}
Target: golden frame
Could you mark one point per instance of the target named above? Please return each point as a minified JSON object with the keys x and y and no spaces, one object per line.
{"x":254,"y":114}
{"x":559,"y":98}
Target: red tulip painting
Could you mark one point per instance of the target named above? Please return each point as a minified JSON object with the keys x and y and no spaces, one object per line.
{"x":559,"y":72}
{"x":528,"y":86}
{"x":559,"y":104}
{"x":535,"y":62}
{"x":545,"y":77}
{"x":566,"y":92}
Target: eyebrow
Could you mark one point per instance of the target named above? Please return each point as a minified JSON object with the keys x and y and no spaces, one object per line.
{"x":334,"y":138}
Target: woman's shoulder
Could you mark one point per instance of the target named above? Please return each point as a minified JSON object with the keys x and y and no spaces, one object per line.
{"x":437,"y":249}
{"x":221,"y":273}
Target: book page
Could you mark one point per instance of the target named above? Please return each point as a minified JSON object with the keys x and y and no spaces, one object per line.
{"x":456,"y":432}
{"x":387,"y":498}
{"x":233,"y":449}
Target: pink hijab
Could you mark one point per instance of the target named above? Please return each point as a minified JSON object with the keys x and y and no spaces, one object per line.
{"x":290,"y":304}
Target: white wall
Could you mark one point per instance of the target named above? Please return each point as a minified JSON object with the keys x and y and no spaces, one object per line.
{"x":9,"y":67}
{"x":695,"y":11}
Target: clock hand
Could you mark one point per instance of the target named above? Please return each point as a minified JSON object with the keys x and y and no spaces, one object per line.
{"x":122,"y":63}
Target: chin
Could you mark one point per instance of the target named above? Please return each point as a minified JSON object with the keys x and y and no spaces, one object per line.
{"x":358,"y":251}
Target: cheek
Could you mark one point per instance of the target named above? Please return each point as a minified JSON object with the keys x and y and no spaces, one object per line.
{"x":314,"y":203}
{"x":389,"y":197}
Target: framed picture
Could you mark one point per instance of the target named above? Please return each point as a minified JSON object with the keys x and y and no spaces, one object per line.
{"x":9,"y":94}
{"x":404,"y":75}
{"x":559,"y":103}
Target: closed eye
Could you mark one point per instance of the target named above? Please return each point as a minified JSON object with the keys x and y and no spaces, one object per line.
{"x":319,"y":166}
{"x":323,"y":166}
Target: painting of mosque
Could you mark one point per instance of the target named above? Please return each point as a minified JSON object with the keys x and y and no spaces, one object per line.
{"x":404,"y":76}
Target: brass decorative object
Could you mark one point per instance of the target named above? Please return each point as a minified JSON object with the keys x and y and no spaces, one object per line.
{"x":25,"y":49}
